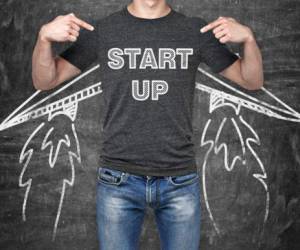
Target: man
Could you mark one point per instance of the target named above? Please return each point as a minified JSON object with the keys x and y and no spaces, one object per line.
{"x":148,"y":55}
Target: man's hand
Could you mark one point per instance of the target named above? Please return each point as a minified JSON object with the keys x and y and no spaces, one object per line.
{"x":49,"y":71}
{"x":63,"y":28}
{"x":227,"y":29}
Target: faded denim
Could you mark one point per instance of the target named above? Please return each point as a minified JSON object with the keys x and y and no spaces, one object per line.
{"x":121,"y":204}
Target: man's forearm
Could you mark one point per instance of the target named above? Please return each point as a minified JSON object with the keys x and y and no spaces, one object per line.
{"x":251,"y":64}
{"x":43,"y":65}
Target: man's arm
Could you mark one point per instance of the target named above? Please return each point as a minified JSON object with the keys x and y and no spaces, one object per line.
{"x":48,"y":70}
{"x":246,"y":71}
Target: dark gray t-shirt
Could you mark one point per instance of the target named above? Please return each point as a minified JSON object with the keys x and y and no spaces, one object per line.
{"x":147,"y":70}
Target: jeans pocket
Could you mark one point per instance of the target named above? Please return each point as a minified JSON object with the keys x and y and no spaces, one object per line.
{"x":183,"y":180}
{"x":111,"y":176}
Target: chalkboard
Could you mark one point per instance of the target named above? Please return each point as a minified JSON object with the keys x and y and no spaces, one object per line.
{"x":247,"y":142}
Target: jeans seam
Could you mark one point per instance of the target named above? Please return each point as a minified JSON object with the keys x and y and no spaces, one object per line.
{"x":191,"y":181}
{"x":157,"y":193}
{"x":123,"y":178}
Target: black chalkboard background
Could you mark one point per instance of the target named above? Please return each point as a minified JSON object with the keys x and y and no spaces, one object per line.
{"x":235,"y":203}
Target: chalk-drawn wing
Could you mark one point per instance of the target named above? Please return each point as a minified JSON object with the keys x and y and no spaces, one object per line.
{"x":67,"y":107}
{"x":52,"y":145}
{"x":231,"y":159}
{"x":240,"y":99}
{"x":236,"y":100}
{"x":36,"y":110}
{"x":218,"y":98}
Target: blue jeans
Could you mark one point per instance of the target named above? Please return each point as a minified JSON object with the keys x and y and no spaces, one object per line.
{"x":121,"y":202}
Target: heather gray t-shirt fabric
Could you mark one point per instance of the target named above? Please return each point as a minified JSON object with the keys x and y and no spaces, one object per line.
{"x":147,"y":70}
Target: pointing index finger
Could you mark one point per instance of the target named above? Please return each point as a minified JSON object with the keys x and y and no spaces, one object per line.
{"x":82,"y":23}
{"x":211,"y":25}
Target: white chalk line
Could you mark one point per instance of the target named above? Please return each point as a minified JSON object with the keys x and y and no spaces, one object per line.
{"x":204,"y":143}
{"x":18,"y":108}
{"x":70,"y":109}
{"x":264,"y":104}
{"x":223,"y":97}
{"x":57,"y":106}
{"x":52,"y":160}
{"x":221,"y":103}
{"x":217,"y":100}
{"x":241,"y":140}
{"x":23,"y":154}
{"x":52,"y":94}
{"x":259,"y":177}
{"x":279,"y":101}
{"x":224,"y":146}
{"x":65,"y":181}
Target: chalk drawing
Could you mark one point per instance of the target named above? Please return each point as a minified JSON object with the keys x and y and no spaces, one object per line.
{"x":220,"y":99}
{"x":223,"y":98}
{"x":66,"y":106}
{"x":29,"y":113}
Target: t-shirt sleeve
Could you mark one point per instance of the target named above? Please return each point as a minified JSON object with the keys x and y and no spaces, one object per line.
{"x":83,"y":52}
{"x":213,"y":53}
